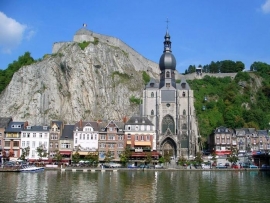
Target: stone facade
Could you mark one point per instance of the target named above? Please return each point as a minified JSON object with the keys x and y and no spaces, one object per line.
{"x":170,"y":107}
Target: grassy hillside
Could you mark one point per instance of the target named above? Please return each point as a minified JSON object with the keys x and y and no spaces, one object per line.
{"x":242,"y":102}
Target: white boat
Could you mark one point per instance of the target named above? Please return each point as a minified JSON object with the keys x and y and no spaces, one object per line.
{"x":27,"y":168}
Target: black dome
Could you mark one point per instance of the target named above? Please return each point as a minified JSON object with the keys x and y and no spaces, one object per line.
{"x":167,"y":61}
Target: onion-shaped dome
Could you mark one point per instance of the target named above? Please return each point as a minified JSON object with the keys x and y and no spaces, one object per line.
{"x":167,"y":59}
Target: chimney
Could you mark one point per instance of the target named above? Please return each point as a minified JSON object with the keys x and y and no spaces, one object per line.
{"x":125,"y":119}
{"x":80,"y":123}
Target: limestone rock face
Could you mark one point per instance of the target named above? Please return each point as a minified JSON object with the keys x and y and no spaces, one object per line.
{"x":72,"y":84}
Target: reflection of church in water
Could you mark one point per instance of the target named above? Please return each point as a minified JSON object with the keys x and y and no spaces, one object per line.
{"x":169,"y":106}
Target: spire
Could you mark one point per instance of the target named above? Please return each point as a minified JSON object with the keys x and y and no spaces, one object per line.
{"x":167,"y":42}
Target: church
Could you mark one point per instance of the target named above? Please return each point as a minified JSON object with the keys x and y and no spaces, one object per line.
{"x":169,"y":105}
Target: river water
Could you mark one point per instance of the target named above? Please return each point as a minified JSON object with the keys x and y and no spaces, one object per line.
{"x":136,"y":186}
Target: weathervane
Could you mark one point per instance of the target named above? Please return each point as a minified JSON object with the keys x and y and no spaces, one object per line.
{"x":84,"y":25}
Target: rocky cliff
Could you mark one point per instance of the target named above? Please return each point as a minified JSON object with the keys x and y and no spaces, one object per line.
{"x":73,"y":83}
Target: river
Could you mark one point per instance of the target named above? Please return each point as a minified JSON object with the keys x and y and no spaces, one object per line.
{"x":135,"y":186}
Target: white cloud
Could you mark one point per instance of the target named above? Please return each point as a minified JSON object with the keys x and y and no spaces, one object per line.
{"x":266,"y":7}
{"x":30,"y":34}
{"x":11,"y":33}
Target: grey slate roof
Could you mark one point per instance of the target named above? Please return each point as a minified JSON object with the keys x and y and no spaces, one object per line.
{"x":139,"y":119}
{"x":58,"y":123}
{"x":67,"y":132}
{"x":4,"y":121}
{"x":82,"y":124}
{"x":36,"y":128}
{"x":222,"y":130}
{"x":183,"y":85}
{"x":12,"y":129}
{"x":105,"y":123}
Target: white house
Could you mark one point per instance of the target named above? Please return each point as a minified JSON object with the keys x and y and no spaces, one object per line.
{"x":34,"y":137}
{"x":85,"y":137}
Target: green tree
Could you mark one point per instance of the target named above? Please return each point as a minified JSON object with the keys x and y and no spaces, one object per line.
{"x":25,"y":153}
{"x":198,"y":158}
{"x":76,"y":157}
{"x":233,"y":156}
{"x":42,"y":153}
{"x":182,"y":160}
{"x":58,"y":156}
{"x":148,"y":157}
{"x":146,"y":77}
{"x":108,"y":157}
{"x":125,"y":156}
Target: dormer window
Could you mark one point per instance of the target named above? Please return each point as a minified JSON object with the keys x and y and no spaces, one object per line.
{"x":152,"y":94}
{"x":151,"y":84}
{"x":168,"y":84}
{"x":28,"y":127}
{"x":136,"y":121}
{"x":143,"y":121}
{"x":45,"y":127}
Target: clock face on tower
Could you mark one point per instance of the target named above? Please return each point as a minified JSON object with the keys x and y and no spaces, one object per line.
{"x":168,"y":105}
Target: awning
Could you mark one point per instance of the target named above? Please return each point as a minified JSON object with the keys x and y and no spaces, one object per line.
{"x":86,"y":153}
{"x":223,"y":152}
{"x":142,"y":143}
{"x":128,"y":142}
{"x":65,"y":152}
{"x":144,"y":154}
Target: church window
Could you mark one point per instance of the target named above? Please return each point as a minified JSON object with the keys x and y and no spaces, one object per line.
{"x":184,"y":112}
{"x":184,"y":94}
{"x":184,"y":141}
{"x":184,"y":126}
{"x":168,"y":123}
{"x":152,"y":112}
{"x":167,"y":74}
{"x":152,"y":94}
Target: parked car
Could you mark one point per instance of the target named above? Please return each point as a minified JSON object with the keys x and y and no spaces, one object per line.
{"x":206,"y":166}
{"x":132,"y":166}
{"x":144,"y":166}
{"x":235,"y":166}
{"x":264,"y":166}
{"x":220,"y":166}
{"x":158,"y":166}
{"x":112,"y":165}
{"x":227,"y":164}
{"x":253,"y":166}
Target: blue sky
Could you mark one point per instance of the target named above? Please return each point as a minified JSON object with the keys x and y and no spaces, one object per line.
{"x":201,"y":31}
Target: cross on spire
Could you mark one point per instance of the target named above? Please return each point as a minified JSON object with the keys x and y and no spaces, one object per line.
{"x":167,"y":21}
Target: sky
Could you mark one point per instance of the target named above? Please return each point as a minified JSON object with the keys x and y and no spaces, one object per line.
{"x":201,"y":31}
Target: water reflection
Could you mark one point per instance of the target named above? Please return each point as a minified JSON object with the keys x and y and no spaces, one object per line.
{"x":135,"y":186}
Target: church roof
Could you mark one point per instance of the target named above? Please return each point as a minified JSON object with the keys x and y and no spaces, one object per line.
{"x":167,"y":59}
{"x":183,"y":85}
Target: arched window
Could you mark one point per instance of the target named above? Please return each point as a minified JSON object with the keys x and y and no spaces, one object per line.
{"x":184,"y":94}
{"x":184,"y":141}
{"x":184,"y":126}
{"x":152,"y":112}
{"x":167,"y":74}
{"x":184,"y":112}
{"x":152,"y":94}
{"x":168,"y":122}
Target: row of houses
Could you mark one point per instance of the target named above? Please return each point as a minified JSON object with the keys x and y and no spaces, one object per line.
{"x":84,"y":137}
{"x":245,"y":140}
